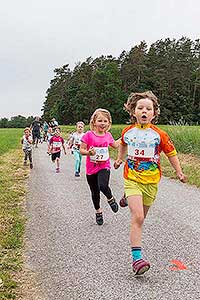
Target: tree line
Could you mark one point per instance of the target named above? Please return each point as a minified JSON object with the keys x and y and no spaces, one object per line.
{"x":170,"y":68}
{"x":16,"y":122}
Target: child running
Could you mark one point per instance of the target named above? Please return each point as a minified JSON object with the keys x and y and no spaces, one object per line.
{"x":143,"y":142}
{"x":27,"y":146}
{"x":95,"y":145}
{"x":55,"y":144}
{"x":74,"y":143}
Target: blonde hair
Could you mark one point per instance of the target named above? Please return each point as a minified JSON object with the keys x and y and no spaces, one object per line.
{"x":80,"y":122}
{"x":95,"y":115}
{"x":133,"y":98}
{"x":27,"y":128}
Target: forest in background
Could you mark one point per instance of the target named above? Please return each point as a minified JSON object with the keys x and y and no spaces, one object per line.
{"x":170,"y":68}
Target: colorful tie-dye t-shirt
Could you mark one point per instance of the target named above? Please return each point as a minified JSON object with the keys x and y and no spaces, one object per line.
{"x":144,"y":145}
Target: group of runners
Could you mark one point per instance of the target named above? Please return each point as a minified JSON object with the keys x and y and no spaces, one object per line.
{"x":139,"y":148}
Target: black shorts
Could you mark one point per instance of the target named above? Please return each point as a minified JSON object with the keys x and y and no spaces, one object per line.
{"x":55,"y":155}
{"x":36,"y":134}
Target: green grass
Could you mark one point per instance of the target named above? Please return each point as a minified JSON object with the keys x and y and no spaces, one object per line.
{"x":10,"y":139}
{"x":12,"y":220}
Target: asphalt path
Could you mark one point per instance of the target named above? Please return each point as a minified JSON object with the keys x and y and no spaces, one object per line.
{"x":74,"y":258}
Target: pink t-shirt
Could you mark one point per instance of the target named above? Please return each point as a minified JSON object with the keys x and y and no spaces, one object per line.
{"x":56,"y":142}
{"x":101,"y":143}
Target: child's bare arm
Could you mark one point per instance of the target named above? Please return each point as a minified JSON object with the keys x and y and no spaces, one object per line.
{"x":64,"y":149}
{"x":116,"y":143}
{"x":122,"y":150}
{"x":30,"y":140}
{"x":174,"y":161}
{"x":84,"y":151}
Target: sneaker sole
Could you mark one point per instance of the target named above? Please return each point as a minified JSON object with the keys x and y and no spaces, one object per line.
{"x":142,"y":271}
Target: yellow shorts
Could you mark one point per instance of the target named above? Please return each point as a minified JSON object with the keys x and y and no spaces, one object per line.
{"x":147,"y":191}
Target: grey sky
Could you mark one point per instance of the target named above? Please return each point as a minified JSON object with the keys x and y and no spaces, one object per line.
{"x":38,"y":36}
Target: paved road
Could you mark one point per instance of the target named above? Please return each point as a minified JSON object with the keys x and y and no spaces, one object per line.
{"x":73,"y":258}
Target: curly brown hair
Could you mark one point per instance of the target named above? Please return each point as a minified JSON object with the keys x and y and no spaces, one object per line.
{"x":132,"y":100}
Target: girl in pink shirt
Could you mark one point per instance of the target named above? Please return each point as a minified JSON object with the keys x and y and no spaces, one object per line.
{"x":95,"y":145}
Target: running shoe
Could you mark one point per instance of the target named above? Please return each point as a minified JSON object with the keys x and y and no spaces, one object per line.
{"x":140,"y":266}
{"x":77,"y":174}
{"x":113,"y":204}
{"x":99,"y":218}
{"x":31,"y":166}
{"x":57,"y":170}
{"x":123,"y":202}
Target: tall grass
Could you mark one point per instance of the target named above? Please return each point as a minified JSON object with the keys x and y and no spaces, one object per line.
{"x":10,"y":139}
{"x":185,"y":138}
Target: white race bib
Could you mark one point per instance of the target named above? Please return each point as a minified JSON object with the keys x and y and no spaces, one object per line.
{"x":57,"y":144}
{"x":141,"y":152}
{"x":102,"y":154}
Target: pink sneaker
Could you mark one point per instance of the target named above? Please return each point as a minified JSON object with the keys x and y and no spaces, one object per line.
{"x":123,"y":202}
{"x":140,"y":266}
{"x":57,"y":170}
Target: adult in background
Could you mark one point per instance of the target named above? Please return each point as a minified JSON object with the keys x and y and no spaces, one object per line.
{"x":35,"y":127}
{"x":54,"y":124}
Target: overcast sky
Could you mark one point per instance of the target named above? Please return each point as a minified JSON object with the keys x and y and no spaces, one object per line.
{"x":38,"y":36}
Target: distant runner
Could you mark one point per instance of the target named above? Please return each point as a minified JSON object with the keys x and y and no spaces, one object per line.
{"x":36,"y":126}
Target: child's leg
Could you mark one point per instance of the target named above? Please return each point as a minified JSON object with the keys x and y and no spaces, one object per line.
{"x":80,"y":160}
{"x":137,"y":218}
{"x":30,"y":156}
{"x":76,"y":156}
{"x":57,"y":163}
{"x":95,"y":191}
{"x":25,"y":156}
{"x":135,"y":203}
{"x":103,"y":181}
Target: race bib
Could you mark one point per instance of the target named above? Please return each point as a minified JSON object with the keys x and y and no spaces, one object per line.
{"x":141,"y":152}
{"x":102,"y":154}
{"x":57,"y":144}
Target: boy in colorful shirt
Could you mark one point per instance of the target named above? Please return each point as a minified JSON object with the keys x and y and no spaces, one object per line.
{"x":143,"y":142}
{"x":55,"y":144}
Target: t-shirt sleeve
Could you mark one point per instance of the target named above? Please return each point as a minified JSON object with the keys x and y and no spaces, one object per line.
{"x":111,"y":139}
{"x":51,"y":140}
{"x":85,"y":138}
{"x":122,"y":142}
{"x":167,"y":145}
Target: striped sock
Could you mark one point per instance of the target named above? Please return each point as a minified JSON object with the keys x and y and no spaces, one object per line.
{"x":136,"y":253}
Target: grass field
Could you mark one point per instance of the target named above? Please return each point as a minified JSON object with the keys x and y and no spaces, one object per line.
{"x":13,"y":191}
{"x":10,"y":139}
{"x":12,"y":220}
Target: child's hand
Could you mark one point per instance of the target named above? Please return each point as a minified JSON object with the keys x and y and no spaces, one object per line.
{"x":117,"y":163}
{"x":91,"y":151}
{"x":182,"y":177}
